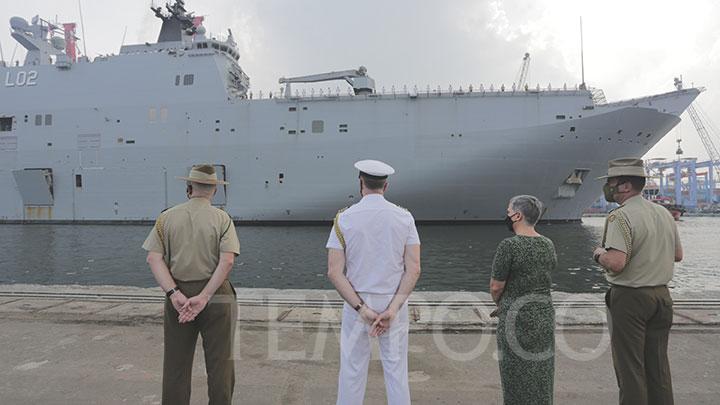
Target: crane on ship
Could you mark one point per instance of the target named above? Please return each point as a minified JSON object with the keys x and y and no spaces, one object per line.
{"x":710,"y":140}
{"x":522,"y":74}
{"x":357,"y":78}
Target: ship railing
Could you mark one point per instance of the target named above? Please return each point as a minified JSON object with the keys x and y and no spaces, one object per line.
{"x":645,"y":99}
{"x":415,"y":92}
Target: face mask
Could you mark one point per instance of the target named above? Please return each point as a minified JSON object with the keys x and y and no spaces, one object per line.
{"x":610,"y":192}
{"x":509,"y":223}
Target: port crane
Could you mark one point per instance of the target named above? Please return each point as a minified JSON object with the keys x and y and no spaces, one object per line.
{"x":522,"y":75}
{"x":709,"y":140}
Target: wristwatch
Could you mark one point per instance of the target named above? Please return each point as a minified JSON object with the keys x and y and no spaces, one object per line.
{"x":171,"y":291}
{"x":358,"y":306}
{"x":596,"y":257}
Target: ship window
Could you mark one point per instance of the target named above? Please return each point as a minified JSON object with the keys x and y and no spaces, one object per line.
{"x":292,"y":109}
{"x":343,"y":128}
{"x":177,"y":80}
{"x":572,"y":129}
{"x":78,"y":180}
{"x":152,"y":114}
{"x":38,"y":119}
{"x":6,"y":124}
{"x":559,"y":117}
{"x":48,"y":119}
{"x":130,"y":141}
{"x":216,"y":46}
{"x":188,"y":80}
{"x":318,"y":126}
{"x":163,"y":114}
{"x":292,"y":132}
{"x":26,"y":118}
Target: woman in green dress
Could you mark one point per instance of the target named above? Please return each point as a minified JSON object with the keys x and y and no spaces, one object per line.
{"x":520,"y":286}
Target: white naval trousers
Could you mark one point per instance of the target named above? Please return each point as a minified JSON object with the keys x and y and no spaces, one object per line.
{"x":355,"y":350}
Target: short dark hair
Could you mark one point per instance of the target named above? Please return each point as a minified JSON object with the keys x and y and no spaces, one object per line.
{"x":637,"y":183}
{"x":373,"y":182}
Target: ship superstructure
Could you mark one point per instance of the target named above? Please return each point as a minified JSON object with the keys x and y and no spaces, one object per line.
{"x":104,"y":140}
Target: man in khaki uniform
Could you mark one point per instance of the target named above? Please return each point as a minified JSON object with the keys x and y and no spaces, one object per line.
{"x":191,"y":250}
{"x":638,"y":252}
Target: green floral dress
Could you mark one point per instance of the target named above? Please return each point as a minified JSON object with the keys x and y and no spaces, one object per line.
{"x":526,"y":319}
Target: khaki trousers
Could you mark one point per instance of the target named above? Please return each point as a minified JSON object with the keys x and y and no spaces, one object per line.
{"x":639,"y":320}
{"x":216,"y":324}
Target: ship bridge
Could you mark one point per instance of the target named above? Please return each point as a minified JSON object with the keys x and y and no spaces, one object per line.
{"x":182,"y":33}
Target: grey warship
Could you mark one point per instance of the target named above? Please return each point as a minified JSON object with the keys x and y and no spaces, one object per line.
{"x":103,"y":140}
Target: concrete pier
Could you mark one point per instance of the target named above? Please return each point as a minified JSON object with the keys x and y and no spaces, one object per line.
{"x":87,"y":345}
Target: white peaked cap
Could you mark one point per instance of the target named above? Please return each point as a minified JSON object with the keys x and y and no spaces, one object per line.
{"x":374,"y":168}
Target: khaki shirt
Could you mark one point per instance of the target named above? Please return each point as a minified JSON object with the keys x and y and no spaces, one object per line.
{"x":647,"y":233}
{"x":194,"y":234}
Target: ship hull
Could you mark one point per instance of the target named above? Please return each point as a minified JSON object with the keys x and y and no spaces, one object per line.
{"x":459,"y":156}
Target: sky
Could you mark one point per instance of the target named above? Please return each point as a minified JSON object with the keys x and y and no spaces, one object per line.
{"x":632,"y":48}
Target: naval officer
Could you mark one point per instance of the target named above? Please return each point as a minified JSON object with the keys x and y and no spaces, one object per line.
{"x":376,"y":242}
{"x":191,"y":250}
{"x":639,"y":248}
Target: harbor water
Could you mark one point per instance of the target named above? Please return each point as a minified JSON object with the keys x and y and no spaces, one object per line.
{"x":454,"y":257}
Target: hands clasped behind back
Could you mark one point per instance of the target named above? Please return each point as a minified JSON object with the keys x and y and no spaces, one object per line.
{"x":379,"y":322}
{"x":188,"y":308}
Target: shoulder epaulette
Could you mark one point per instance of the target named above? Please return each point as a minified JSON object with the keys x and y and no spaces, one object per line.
{"x":611,"y":216}
{"x":616,"y":209}
{"x":336,"y":226}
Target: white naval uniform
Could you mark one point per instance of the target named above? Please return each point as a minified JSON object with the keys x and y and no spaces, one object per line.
{"x":376,"y":233}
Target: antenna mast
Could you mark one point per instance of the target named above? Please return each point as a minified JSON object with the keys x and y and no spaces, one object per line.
{"x":82,"y":29}
{"x":123,"y":39}
{"x":582,"y":58}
